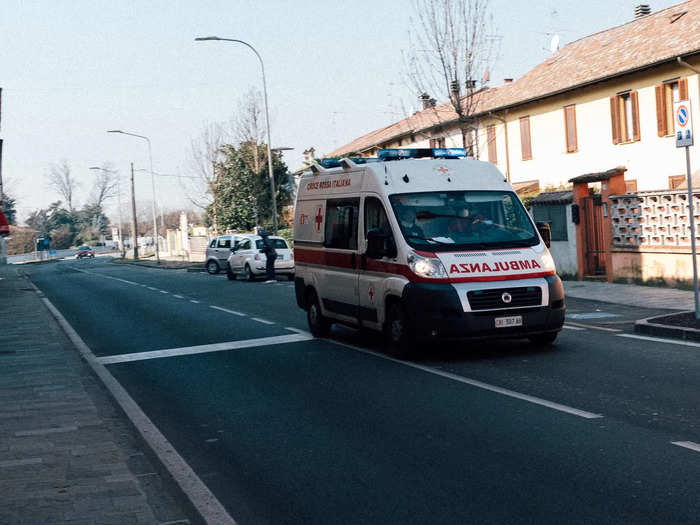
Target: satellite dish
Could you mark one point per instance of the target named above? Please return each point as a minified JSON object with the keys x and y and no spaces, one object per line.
{"x":554,"y":44}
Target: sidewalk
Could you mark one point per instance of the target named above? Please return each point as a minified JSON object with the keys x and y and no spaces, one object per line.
{"x":631,"y":294}
{"x":67,"y":454}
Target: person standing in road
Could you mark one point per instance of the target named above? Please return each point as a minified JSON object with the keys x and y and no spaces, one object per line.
{"x":270,"y":256}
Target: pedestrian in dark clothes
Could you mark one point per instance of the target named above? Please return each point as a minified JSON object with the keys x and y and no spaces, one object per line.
{"x":270,"y":256}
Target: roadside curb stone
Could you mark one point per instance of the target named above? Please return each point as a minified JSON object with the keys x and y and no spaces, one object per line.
{"x":649,"y":327}
{"x":65,"y":448}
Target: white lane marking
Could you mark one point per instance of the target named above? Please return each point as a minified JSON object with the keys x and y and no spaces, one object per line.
{"x":263,"y":321}
{"x":480,"y":384}
{"x":687,"y":444}
{"x":163,"y":291}
{"x":292,"y":329}
{"x":151,"y":288}
{"x":202,"y":349}
{"x":201,"y":498}
{"x":573,"y":327}
{"x":239,"y":314}
{"x":103,"y":276}
{"x":178,"y":296}
{"x":195,"y":301}
{"x":660,"y":340}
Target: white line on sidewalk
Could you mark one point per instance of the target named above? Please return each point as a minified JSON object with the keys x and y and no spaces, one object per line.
{"x":479,"y":384}
{"x":573,"y":327}
{"x":202,"y":349}
{"x":687,"y":444}
{"x":263,"y":321}
{"x":202,"y":499}
{"x":660,"y":340}
{"x":239,"y":314}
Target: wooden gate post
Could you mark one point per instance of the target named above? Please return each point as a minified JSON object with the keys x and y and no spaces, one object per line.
{"x":580,"y":193}
{"x":615,"y":185}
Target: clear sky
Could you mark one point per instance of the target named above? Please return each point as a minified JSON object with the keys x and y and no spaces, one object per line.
{"x":71,"y":69}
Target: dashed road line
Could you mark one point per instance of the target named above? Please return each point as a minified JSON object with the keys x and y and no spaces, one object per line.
{"x":660,"y":340}
{"x":690,"y":445}
{"x":151,"y":288}
{"x":202,"y":349}
{"x":163,"y":291}
{"x":234,"y":312}
{"x":178,"y":296}
{"x":195,"y":301}
{"x":263,"y":321}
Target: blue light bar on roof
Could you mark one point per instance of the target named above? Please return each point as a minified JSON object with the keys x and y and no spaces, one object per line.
{"x":420,"y":153}
{"x":334,"y":162}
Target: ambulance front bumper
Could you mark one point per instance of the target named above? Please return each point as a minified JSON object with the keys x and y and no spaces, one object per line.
{"x":435,"y":311}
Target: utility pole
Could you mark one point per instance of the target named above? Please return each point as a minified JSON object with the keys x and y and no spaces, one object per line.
{"x":134,"y":226}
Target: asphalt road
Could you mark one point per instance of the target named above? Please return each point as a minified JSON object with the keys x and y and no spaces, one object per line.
{"x":289,"y":429}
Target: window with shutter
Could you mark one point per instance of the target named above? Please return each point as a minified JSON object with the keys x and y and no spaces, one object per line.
{"x":666,"y":94}
{"x":570,"y":128}
{"x":491,"y":139}
{"x":525,"y":142}
{"x":624,"y":116}
{"x":683,"y":89}
{"x":661,"y":125}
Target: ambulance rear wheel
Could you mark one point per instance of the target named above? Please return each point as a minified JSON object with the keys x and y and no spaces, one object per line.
{"x":319,"y":325}
{"x":398,"y":334}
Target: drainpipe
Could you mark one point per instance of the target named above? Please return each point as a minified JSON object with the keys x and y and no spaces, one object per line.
{"x":505,"y":126}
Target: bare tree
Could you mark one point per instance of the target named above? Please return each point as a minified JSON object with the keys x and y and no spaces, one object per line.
{"x":206,"y":155}
{"x":60,"y":179}
{"x":105,"y":185}
{"x":451,"y":52}
{"x":249,"y":126}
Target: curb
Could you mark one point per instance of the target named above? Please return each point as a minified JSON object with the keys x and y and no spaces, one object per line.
{"x":189,"y":269}
{"x":203,"y":506}
{"x":649,"y":327}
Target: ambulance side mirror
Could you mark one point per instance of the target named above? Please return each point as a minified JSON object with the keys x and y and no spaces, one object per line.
{"x":545,"y":233}
{"x":380,"y":244}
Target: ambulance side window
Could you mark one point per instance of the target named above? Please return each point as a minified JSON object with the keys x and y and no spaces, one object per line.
{"x":341,"y":223}
{"x":375,"y":216}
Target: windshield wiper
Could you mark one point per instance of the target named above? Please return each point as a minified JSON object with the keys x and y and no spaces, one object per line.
{"x":430,"y":239}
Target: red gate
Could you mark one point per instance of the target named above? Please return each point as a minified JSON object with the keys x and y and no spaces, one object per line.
{"x":595,"y":247}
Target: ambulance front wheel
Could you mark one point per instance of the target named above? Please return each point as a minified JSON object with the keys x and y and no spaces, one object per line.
{"x":319,"y":325}
{"x":543,"y":339}
{"x":397,"y":332}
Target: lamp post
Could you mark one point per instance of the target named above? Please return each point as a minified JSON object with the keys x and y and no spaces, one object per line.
{"x":119,"y":204}
{"x":153,"y":185}
{"x":267,"y":120}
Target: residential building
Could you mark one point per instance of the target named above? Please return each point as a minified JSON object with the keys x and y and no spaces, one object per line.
{"x":600,"y":102}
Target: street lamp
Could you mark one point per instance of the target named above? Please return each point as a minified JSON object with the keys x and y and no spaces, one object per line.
{"x":153,"y":185}
{"x":119,"y":203}
{"x":267,"y":120}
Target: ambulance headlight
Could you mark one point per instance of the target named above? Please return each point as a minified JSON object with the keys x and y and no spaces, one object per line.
{"x":547,"y":262}
{"x":430,"y":267}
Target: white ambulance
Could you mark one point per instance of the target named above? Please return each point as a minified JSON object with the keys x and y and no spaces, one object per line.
{"x":422,"y":244}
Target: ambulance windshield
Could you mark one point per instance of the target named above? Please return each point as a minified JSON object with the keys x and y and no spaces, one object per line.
{"x":463,"y":220}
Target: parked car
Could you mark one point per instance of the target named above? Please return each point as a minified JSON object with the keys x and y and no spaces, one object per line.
{"x":247,"y":258}
{"x":218,"y":250}
{"x":84,"y":251}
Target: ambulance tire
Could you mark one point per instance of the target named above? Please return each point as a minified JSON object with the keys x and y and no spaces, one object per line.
{"x":400,"y":340}
{"x":319,"y":325}
{"x":543,"y":339}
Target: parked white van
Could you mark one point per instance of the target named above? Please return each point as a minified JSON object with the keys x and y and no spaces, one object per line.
{"x":422,"y":244}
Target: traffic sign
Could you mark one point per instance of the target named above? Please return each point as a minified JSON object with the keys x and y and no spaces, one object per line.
{"x":682,"y":124}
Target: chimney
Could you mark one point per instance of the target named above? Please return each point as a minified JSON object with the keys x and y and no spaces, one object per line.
{"x":454,"y":87}
{"x":641,"y":10}
{"x":507,"y":80}
{"x":470,"y":84}
{"x":424,"y":100}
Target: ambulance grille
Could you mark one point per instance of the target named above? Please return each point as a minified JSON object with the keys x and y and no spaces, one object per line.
{"x":493,"y":299}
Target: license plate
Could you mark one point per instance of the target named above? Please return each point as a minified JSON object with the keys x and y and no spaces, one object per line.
{"x":505,"y":322}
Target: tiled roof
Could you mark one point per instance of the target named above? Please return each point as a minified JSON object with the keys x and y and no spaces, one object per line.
{"x":553,"y":197}
{"x":640,"y":43}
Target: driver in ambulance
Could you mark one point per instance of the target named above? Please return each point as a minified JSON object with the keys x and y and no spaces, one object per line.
{"x":407,"y":216}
